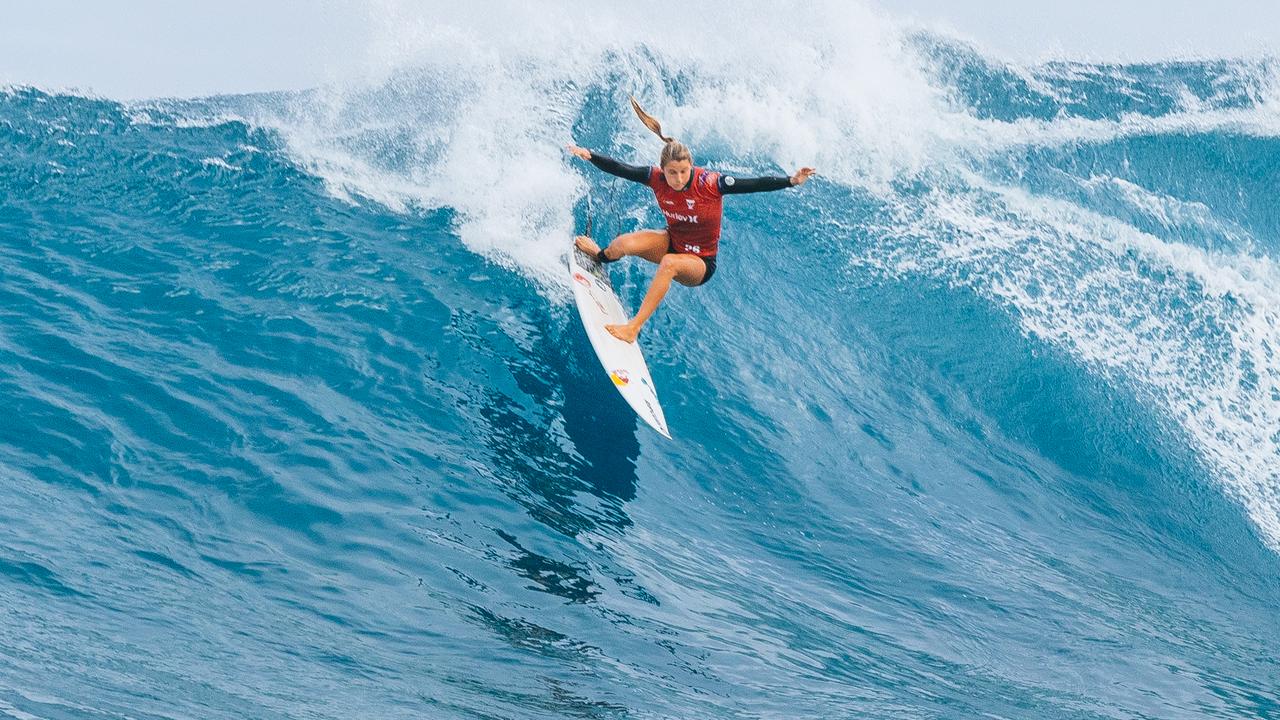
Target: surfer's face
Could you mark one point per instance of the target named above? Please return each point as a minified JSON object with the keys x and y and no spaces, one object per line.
{"x":677,"y":173}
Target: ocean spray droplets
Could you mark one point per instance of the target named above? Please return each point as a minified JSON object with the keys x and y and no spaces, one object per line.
{"x":1193,"y":332}
{"x":483,"y":102}
{"x":476,"y":105}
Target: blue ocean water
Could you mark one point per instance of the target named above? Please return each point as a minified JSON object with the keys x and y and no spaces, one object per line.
{"x":982,"y":422}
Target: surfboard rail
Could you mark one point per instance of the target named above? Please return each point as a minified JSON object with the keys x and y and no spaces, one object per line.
{"x":623,"y":362}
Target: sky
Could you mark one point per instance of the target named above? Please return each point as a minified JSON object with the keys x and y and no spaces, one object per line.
{"x":130,"y":49}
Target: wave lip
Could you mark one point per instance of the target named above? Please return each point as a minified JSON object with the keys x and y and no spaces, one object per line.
{"x":299,"y":425}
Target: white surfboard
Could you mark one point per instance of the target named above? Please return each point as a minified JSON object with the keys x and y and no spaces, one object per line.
{"x":599,"y":306}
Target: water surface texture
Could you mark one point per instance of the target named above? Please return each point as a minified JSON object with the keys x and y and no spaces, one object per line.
{"x":983,"y":422}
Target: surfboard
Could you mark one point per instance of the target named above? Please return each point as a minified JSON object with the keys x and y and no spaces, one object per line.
{"x":623,"y":362}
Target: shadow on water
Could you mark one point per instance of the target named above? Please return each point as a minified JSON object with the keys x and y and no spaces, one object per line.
{"x":564,"y":491}
{"x":550,"y":575}
{"x":555,"y":432}
{"x":604,"y":430}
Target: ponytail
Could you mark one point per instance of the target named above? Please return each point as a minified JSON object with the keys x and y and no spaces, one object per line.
{"x":650,"y":121}
{"x":672,"y":150}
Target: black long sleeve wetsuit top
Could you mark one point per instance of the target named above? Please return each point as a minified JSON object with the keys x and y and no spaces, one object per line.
{"x":693,"y":213}
{"x":727,"y":184}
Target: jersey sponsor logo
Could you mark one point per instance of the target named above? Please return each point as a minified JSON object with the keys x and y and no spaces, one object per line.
{"x":681,"y":218}
{"x":620,"y":377}
{"x":669,"y":202}
{"x":689,"y":203}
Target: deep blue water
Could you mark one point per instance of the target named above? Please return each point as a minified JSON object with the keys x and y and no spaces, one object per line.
{"x":982,"y":422}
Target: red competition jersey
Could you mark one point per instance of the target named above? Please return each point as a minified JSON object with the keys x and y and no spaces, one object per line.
{"x":693,"y":214}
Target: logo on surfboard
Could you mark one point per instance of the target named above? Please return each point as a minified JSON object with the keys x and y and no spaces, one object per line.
{"x":581,"y":279}
{"x":620,"y":377}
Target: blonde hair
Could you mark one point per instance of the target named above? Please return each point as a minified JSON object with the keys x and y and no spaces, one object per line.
{"x":673,"y":150}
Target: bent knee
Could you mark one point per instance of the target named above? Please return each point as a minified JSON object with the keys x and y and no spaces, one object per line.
{"x":671,"y":264}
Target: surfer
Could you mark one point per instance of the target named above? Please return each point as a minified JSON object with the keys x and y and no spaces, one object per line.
{"x":690,"y":198}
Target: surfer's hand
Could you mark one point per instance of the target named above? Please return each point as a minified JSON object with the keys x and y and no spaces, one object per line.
{"x":802,"y":175}
{"x":580,"y":153}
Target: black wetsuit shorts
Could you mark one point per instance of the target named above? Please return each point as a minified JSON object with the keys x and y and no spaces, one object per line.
{"x":710,"y":261}
{"x":727,"y":185}
{"x":711,"y":268}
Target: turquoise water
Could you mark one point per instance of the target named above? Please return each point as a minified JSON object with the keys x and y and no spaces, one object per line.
{"x":981,"y":422}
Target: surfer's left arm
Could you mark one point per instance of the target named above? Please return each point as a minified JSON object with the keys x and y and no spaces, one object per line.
{"x":730,"y":185}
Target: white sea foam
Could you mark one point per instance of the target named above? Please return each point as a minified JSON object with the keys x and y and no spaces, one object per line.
{"x":219,"y":163}
{"x":1195,"y":332}
{"x":1177,"y":215}
{"x":475,"y":103}
{"x":484,"y":99}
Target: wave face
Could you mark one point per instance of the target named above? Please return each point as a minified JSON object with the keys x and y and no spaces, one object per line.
{"x":984,"y":421}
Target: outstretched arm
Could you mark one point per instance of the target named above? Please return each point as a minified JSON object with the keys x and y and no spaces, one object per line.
{"x":730,"y":185}
{"x":634,"y":173}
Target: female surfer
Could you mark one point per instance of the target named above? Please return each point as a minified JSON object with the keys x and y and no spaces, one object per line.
{"x":690,"y":198}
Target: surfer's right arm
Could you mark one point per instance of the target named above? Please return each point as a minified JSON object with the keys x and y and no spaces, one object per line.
{"x":634,"y":173}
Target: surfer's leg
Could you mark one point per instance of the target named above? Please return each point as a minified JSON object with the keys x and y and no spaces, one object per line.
{"x":648,"y":244}
{"x":683,"y":268}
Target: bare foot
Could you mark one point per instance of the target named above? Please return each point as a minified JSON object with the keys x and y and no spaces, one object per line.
{"x":587,"y":245}
{"x":626,"y":333}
